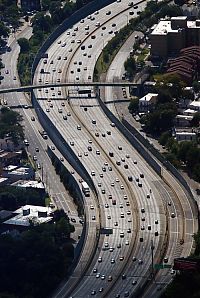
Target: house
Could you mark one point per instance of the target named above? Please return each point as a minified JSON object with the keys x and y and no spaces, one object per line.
{"x":185,"y":136}
{"x":16,"y":173}
{"x":147,"y":102}
{"x":28,"y":214}
{"x":7,"y":158}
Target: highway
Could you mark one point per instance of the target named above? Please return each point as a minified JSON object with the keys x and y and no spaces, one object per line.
{"x":123,"y":259}
{"x":89,"y":128}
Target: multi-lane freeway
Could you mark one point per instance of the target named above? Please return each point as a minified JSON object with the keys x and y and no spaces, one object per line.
{"x":138,"y":207}
{"x":145,"y":216}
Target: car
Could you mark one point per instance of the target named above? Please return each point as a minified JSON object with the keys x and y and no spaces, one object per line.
{"x":38,"y":166}
{"x":117,"y":179}
{"x":103,"y":191}
{"x":97,"y":152}
{"x":115,"y":223}
{"x":112,"y":184}
{"x":71,"y":143}
{"x":106,"y":205}
{"x":73,"y":219}
{"x":140,"y":262}
{"x":100,"y":259}
{"x":64,"y":117}
{"x":121,"y":186}
{"x":122,"y":215}
{"x":104,"y":169}
{"x":34,"y":157}
{"x":109,"y":278}
{"x":128,"y":212}
{"x":118,"y":163}
{"x":93,"y":292}
{"x":95,"y":270}
{"x":129,"y":230}
{"x":173,"y":215}
{"x":120,"y":147}
{"x":108,"y":12}
{"x":141,"y":175}
{"x":135,"y":162}
{"x":127,"y":203}
{"x":101,"y":290}
{"x":123,"y":276}
{"x":108,"y":132}
{"x":78,"y":127}
{"x":65,"y":58}
{"x":121,"y":205}
{"x":126,"y":167}
{"x":93,"y":217}
{"x":125,"y":197}
{"x":96,"y":134}
{"x":33,"y":118}
{"x":126,"y":294}
{"x":126,"y":242}
{"x":142,"y":228}
{"x":89,"y":46}
{"x":91,"y":207}
{"x":89,"y":148}
{"x":36,"y":149}
{"x":103,"y":277}
{"x":134,"y":259}
{"x":47,"y":110}
{"x":68,"y":114}
{"x":61,"y":159}
{"x":134,"y":282}
{"x":165,"y":260}
{"x":93,"y":173}
{"x":98,"y":275}
{"x":101,"y":175}
{"x":52,"y":147}
{"x":112,"y":261}
{"x":108,"y":216}
{"x":121,"y":258}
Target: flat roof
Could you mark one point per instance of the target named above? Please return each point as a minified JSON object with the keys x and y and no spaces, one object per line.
{"x":10,"y":168}
{"x":195,"y":103}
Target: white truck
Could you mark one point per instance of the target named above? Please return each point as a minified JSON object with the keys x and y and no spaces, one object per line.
{"x":85,"y":189}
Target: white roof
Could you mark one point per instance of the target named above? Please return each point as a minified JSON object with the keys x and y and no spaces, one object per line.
{"x":185,"y":133}
{"x":30,"y":183}
{"x":24,"y":220}
{"x":10,"y":168}
{"x":2,"y":179}
{"x":190,"y":111}
{"x":148,"y":97}
{"x":195,"y":103}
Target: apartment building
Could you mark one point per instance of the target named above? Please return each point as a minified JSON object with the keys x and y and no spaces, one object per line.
{"x":170,"y":36}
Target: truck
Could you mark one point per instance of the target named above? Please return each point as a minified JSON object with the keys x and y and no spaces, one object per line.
{"x":113,"y":201}
{"x":85,"y":189}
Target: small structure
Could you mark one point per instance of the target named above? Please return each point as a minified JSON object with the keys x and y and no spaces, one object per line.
{"x":183,"y":120}
{"x":147,"y":102}
{"x":7,"y":158}
{"x":185,"y":136}
{"x":29,"y":5}
{"x":16,"y":173}
{"x":29,"y":214}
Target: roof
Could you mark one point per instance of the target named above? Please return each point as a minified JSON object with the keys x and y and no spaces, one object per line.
{"x":195,"y":104}
{"x":37,"y":214}
{"x":30,"y":183}
{"x":148,"y":97}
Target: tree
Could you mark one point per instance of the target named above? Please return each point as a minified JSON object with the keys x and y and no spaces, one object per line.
{"x":196,"y":86}
{"x":24,"y":45}
{"x":179,"y":2}
{"x":133,"y":105}
{"x":130,"y":66}
{"x":164,"y":138}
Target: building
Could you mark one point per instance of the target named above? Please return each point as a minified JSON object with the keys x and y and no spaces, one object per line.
{"x":28,"y":214}
{"x":29,"y":5}
{"x":16,"y":173}
{"x":33,"y":184}
{"x":147,"y":102}
{"x":185,"y":136}
{"x":195,"y":105}
{"x":7,"y":158}
{"x":170,"y":36}
{"x":183,"y":120}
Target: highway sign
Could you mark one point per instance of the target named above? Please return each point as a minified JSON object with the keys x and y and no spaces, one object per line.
{"x":161,"y":266}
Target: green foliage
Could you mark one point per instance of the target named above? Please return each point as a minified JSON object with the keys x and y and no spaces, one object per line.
{"x":161,"y":119}
{"x":24,"y":45}
{"x":130,"y":66}
{"x":12,"y":197}
{"x":11,"y":13}
{"x":10,"y":123}
{"x":39,"y":260}
{"x":196,"y":86}
{"x":164,"y":138}
{"x":133,"y":105}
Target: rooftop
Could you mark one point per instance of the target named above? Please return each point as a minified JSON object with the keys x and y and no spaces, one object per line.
{"x":37,"y":214}
{"x":30,"y":183}
{"x":148,"y":97}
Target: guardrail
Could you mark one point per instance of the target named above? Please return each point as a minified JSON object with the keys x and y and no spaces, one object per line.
{"x":73,"y":19}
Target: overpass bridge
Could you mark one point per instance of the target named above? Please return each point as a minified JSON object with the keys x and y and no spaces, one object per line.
{"x":30,"y":88}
